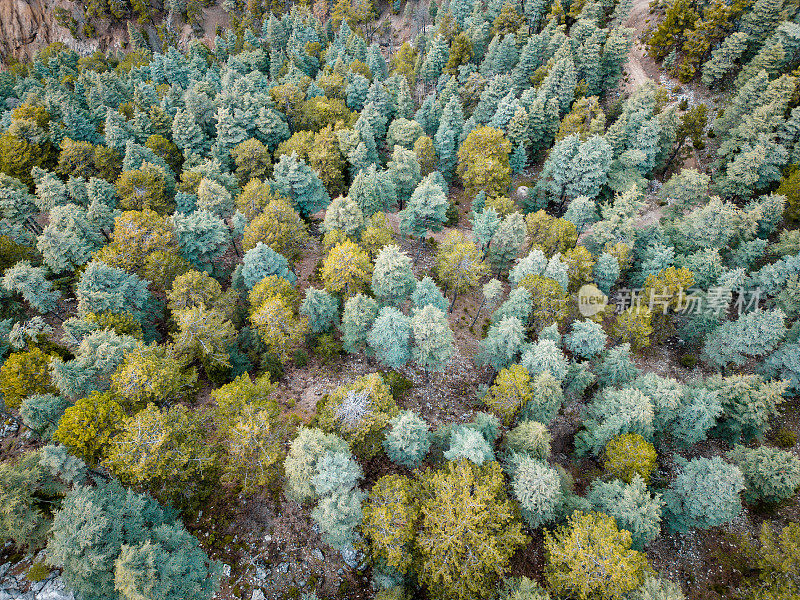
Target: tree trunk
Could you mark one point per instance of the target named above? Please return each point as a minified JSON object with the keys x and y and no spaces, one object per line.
{"x":477,"y":314}
{"x":419,"y":249}
{"x":453,"y":301}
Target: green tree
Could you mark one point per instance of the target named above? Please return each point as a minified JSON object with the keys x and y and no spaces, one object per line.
{"x":295,"y":180}
{"x":590,"y":558}
{"x":346,"y":270}
{"x":704,"y":494}
{"x":358,"y":315}
{"x":771,"y":475}
{"x":510,"y":391}
{"x":88,"y":427}
{"x":24,"y":374}
{"x":321,"y":309}
{"x":459,"y":265}
{"x":483,"y":162}
{"x":391,"y":514}
{"x":468,"y":530}
{"x":433,"y":339}
{"x":426,"y":210}
{"x":392,"y":277}
{"x":407,"y":440}
{"x":389,"y":337}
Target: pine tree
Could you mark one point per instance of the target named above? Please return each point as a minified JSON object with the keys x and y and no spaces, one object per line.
{"x":404,"y":172}
{"x":433,"y":339}
{"x":389,"y":337}
{"x":321,"y":309}
{"x":633,"y":507}
{"x":724,"y":59}
{"x":408,"y":439}
{"x":344,"y":215}
{"x":537,"y":488}
{"x":506,"y":242}
{"x":483,"y":162}
{"x":392,"y":277}
{"x":447,"y":136}
{"x":296,"y":180}
{"x":262,"y":261}
{"x":346,"y":270}
{"x":425,"y":209}
{"x":458,"y":264}
{"x":586,"y":340}
{"x":202,"y":237}
{"x":704,"y":494}
{"x":373,"y":191}
{"x":30,"y":282}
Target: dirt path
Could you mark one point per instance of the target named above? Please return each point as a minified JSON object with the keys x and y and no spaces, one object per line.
{"x":640,"y":67}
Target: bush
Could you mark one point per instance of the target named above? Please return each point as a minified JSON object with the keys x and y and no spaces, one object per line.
{"x":24,"y":374}
{"x":300,"y":358}
{"x":38,"y":572}
{"x":785,"y":438}
{"x":629,"y":455}
{"x":328,"y":348}
{"x":688,"y":360}
{"x":398,"y":383}
{"x":271,"y":364}
{"x":770,"y":475}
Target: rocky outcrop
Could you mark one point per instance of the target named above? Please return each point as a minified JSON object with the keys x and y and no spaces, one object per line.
{"x":25,"y":26}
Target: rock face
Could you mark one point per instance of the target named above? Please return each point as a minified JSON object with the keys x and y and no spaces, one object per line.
{"x":25,"y":26}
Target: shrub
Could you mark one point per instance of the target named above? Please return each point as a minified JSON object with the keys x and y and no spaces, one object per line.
{"x":785,"y":438}
{"x":770,"y":475}
{"x":24,"y":374}
{"x":300,"y":358}
{"x":629,"y":455}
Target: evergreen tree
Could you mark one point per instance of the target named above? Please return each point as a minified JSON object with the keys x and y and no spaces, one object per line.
{"x":321,"y":309}
{"x":295,"y":180}
{"x":425,"y":209}
{"x":373,"y":191}
{"x":408,"y":440}
{"x":344,"y":215}
{"x":392,"y":277}
{"x":447,"y":136}
{"x":433,"y":339}
{"x":30,"y":282}
{"x":202,"y":237}
{"x":389,"y":337}
{"x":262,"y":261}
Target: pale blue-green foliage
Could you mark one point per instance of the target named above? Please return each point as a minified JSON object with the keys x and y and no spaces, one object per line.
{"x":613,"y":412}
{"x":169,"y":564}
{"x":297,"y":181}
{"x":606,"y":272}
{"x":506,"y":242}
{"x":632,"y":505}
{"x":108,"y":289}
{"x":485,"y":223}
{"x":106,"y":518}
{"x":557,"y":270}
{"x":403,"y":172}
{"x":31,"y":282}
{"x":50,"y":190}
{"x":772,"y":277}
{"x":537,"y":488}
{"x":62,"y":464}
{"x":582,"y":211}
{"x":41,"y":412}
{"x":517,"y":305}
{"x":31,"y":330}
{"x":466,"y":442}
{"x":389,"y":337}
{"x":706,"y":266}
{"x":427,"y":292}
{"x":407,"y":440}
{"x":16,"y":204}
{"x":784,"y":364}
{"x":574,"y":168}
{"x":305,"y":452}
{"x":578,"y":379}
{"x":356,"y":91}
{"x":271,"y":127}
{"x":657,"y":588}
{"x":488,"y":425}
{"x":202,"y":237}
{"x":617,"y":367}
{"x":770,"y":474}
{"x":70,"y":237}
{"x":358,"y":315}
{"x":338,"y":515}
{"x":534,"y":263}
{"x":392,"y":277}
{"x":753,"y":335}
{"x":696,"y":417}
{"x":651,"y":261}
{"x":502,"y":343}
{"x":543,"y":356}
{"x":704,"y":494}
{"x":373,"y":191}
{"x":433,"y":338}
{"x":336,"y":472}
{"x":547,"y":399}
{"x":586,"y":339}
{"x":97,"y":357}
{"x":321,"y":308}
{"x":262,"y":261}
{"x":551,"y":333}
{"x":425,"y":210}
{"x":530,"y":438}
{"x":667,"y":396}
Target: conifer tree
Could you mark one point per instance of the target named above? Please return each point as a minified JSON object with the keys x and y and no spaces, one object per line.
{"x":296,"y":180}
{"x":373,"y":191}
{"x":202,"y":237}
{"x":392,"y":277}
{"x":262,"y":261}
{"x":321,"y":309}
{"x":389,"y":337}
{"x":433,"y":339}
{"x":425,"y":210}
{"x":458,"y":264}
{"x":30,"y":282}
{"x":344,"y":215}
{"x":346,"y":270}
{"x":447,"y":136}
{"x":408,"y":439}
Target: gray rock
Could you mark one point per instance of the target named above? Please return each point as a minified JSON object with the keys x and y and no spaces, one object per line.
{"x":318,"y":554}
{"x":257,"y":595}
{"x":522,"y":192}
